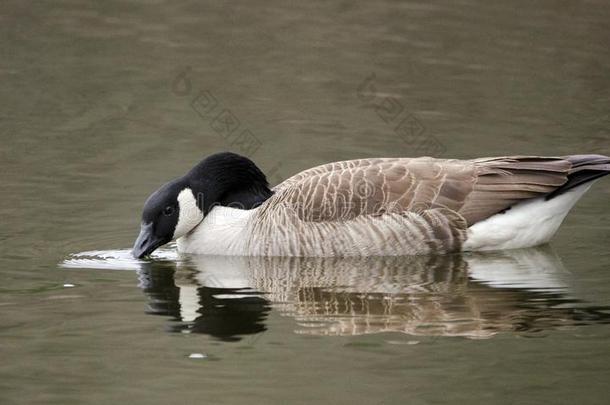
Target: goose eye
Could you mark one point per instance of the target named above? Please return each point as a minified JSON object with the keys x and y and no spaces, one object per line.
{"x":169,"y":210}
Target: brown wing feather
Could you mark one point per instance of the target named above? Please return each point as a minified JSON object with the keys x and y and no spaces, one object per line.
{"x":345,"y":190}
{"x":475,"y":189}
{"x":503,"y":182}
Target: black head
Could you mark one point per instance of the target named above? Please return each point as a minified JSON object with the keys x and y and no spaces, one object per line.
{"x":159,"y":218}
{"x":179,"y":206}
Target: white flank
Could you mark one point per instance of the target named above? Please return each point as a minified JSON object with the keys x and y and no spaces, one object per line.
{"x":527,"y":224}
{"x":189,"y":216}
{"x":224,"y":231}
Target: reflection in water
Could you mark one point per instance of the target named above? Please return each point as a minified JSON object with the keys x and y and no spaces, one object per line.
{"x":475,"y":296}
{"x":224,"y":313}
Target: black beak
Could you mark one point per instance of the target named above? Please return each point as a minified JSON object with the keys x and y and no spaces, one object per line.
{"x":147,"y":242}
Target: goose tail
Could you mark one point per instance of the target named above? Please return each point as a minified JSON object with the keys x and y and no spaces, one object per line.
{"x":585,"y":168}
{"x":534,"y":221}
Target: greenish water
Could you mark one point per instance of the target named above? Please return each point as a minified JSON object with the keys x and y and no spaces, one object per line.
{"x":102,"y":103}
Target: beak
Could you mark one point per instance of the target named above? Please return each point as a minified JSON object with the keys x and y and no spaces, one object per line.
{"x":147,"y":242}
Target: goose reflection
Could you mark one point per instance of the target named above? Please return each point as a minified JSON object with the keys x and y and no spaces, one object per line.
{"x":222,"y":312}
{"x":474,"y":296}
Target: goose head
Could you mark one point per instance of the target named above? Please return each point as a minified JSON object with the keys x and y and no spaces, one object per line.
{"x":178,"y":206}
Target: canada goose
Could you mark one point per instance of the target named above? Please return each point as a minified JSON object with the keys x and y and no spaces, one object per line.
{"x":367,"y":207}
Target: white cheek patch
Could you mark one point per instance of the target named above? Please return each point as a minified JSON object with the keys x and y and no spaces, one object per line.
{"x":189,"y":215}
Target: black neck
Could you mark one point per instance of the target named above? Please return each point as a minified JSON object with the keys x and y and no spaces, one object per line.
{"x":230,"y":180}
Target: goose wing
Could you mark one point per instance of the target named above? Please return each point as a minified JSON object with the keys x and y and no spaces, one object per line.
{"x":475,"y":189}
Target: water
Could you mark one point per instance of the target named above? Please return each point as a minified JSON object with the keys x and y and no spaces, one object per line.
{"x":102,"y":103}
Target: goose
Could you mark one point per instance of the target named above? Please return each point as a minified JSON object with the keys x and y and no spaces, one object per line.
{"x":367,"y":207}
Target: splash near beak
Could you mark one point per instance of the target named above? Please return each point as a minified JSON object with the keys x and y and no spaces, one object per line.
{"x":147,"y":242}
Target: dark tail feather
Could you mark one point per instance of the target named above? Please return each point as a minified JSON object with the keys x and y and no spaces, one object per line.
{"x":585,"y":168}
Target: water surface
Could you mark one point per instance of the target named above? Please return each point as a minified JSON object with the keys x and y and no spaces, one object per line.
{"x":102,"y":103}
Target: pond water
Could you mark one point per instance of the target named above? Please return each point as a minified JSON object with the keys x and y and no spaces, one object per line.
{"x":101,"y":103}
